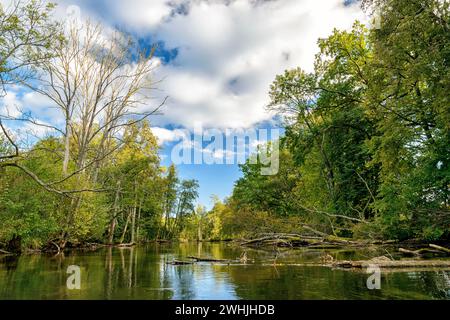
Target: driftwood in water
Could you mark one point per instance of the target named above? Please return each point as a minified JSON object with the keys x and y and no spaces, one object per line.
{"x":160,"y":241}
{"x":243,"y":258}
{"x":296,"y":240}
{"x":384,"y":262}
{"x":439,"y":248}
{"x":280,"y":239}
{"x":433,"y":249}
{"x":199,"y":259}
{"x":180,"y":263}
{"x":419,"y":252}
{"x":126,"y":245}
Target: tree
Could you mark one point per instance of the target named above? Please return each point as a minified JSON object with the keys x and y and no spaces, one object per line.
{"x":328,"y":128}
{"x":97,"y":82}
{"x":26,"y":37}
{"x":133,"y":175}
{"x":367,"y":133}
{"x":187,"y":194}
{"x":171,"y":182}
{"x":409,"y":100}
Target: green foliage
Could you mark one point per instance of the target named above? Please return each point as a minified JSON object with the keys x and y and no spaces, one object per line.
{"x":367,"y":149}
{"x":268,"y":193}
{"x":26,"y":36}
{"x":93,"y":182}
{"x":133,"y":182}
{"x":39,"y":216}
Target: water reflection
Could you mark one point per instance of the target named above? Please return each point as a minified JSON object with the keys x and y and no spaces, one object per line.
{"x":143,"y":273}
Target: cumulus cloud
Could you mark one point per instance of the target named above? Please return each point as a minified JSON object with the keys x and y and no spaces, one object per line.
{"x":228,"y":51}
{"x":10,"y":104}
{"x":166,"y":136}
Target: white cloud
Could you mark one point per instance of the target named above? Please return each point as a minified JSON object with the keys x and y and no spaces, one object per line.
{"x":228,"y":55}
{"x":10,"y":104}
{"x":229,"y":51}
{"x":141,"y":14}
{"x":17,"y":101}
{"x":165,"y":135}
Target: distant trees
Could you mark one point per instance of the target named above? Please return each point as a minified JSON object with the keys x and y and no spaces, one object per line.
{"x":187,"y":194}
{"x":133,"y":176}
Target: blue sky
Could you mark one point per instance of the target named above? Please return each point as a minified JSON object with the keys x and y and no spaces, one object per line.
{"x":217,"y":61}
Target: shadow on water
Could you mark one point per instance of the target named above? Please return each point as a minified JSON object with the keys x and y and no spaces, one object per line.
{"x":143,"y":273}
{"x":10,"y":262}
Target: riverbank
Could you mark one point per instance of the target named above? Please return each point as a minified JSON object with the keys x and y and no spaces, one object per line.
{"x":145,"y":272}
{"x":413,"y":248}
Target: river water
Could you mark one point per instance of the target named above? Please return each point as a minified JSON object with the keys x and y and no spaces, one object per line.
{"x":143,"y":273}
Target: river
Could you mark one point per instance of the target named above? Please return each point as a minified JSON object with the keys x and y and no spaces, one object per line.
{"x":143,"y":273}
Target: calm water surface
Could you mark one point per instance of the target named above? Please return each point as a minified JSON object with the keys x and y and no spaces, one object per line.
{"x":142,"y":273}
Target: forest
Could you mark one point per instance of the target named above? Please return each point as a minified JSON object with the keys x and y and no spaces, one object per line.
{"x":365,"y":155}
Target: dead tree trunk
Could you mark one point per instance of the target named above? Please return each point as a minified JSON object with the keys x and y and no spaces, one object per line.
{"x":113,"y":222}
{"x":126,"y":227}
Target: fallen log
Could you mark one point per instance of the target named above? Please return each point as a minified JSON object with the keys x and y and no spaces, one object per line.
{"x":293,"y":235}
{"x":382,"y":242}
{"x":439,"y":248}
{"x":320,"y":233}
{"x":162,"y":241}
{"x":418,"y":252}
{"x":387,"y":263}
{"x":4,"y":252}
{"x":125,"y":245}
{"x":435,"y":250}
{"x":295,"y":240}
{"x":180,"y":263}
{"x":282,"y":240}
{"x":385,"y":269}
{"x":198,"y":259}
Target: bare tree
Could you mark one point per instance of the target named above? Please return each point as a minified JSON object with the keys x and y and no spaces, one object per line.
{"x":97,"y":81}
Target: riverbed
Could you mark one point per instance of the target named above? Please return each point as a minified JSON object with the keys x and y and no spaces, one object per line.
{"x":145,"y":272}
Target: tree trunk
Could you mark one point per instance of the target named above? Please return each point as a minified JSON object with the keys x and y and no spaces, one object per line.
{"x":126,"y":227}
{"x":112,"y":229}
{"x":133,"y":225}
{"x":199,"y":230}
{"x":67,"y":147}
{"x":113,"y":222}
{"x":133,"y":216}
{"x":138,"y":226}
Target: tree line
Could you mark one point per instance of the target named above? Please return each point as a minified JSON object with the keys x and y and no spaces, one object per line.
{"x":96,"y":175}
{"x":366,"y":152}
